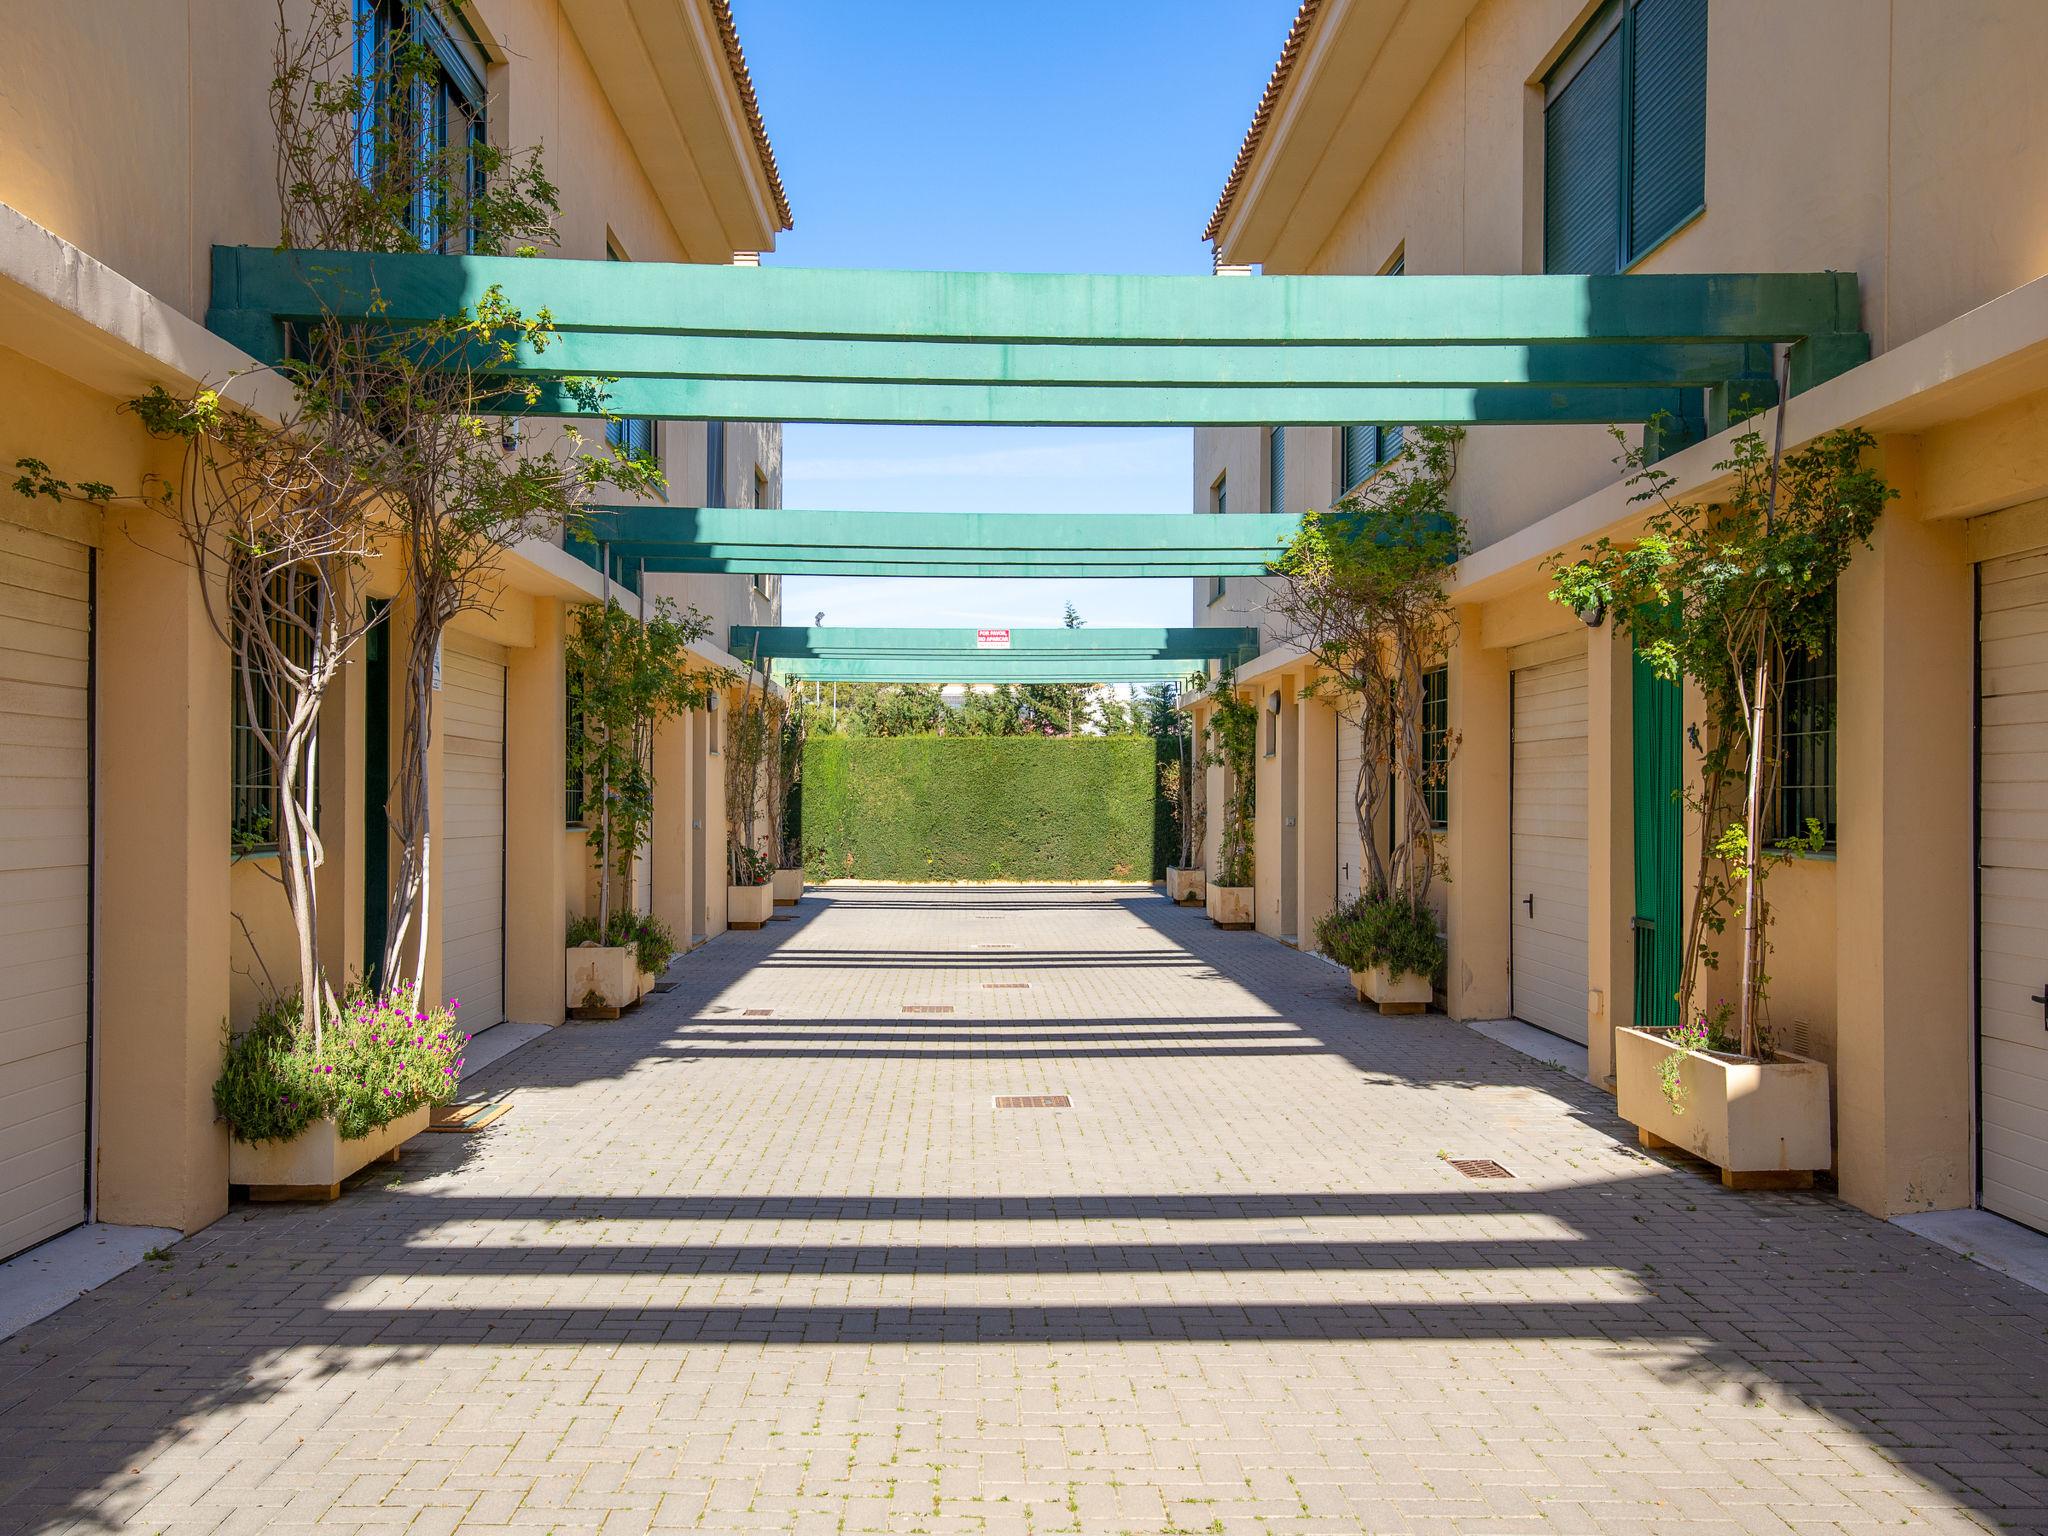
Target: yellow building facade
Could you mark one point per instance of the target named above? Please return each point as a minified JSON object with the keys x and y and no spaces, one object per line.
{"x":131,"y":937}
{"x":1738,"y":136}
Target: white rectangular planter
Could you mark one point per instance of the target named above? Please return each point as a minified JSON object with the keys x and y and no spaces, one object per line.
{"x":788,"y":887}
{"x":602,"y":976}
{"x":313,"y":1163}
{"x":1230,"y":906}
{"x":1405,"y":993}
{"x":748,"y":906}
{"x":1186,"y":886}
{"x":1764,"y":1124}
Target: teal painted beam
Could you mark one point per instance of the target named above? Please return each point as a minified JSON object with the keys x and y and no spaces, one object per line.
{"x":1083,"y":405}
{"x":1251,"y":365}
{"x":1071,"y":570}
{"x":983,"y":533}
{"x":653,"y":297}
{"x":1186,"y":644}
{"x":973,"y":670}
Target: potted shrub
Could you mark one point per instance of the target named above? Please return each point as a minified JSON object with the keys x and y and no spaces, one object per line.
{"x":785,"y":794}
{"x":1363,"y":585}
{"x":1181,"y":782}
{"x":1233,"y":733}
{"x":302,"y":1117}
{"x":1391,"y":947}
{"x":750,"y":899}
{"x":1718,"y":596}
{"x":603,"y":967}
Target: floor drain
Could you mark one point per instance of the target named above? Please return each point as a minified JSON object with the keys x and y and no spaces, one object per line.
{"x":994,"y":946}
{"x":1480,"y":1168}
{"x":927,"y":1007}
{"x":664,"y":986}
{"x":998,"y":986}
{"x":1033,"y":1101}
{"x":757,"y":1013}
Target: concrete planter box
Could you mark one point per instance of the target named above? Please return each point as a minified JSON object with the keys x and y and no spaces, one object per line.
{"x":608,"y":972}
{"x":1391,"y":993}
{"x":1186,"y":886}
{"x":313,"y":1163}
{"x":645,"y":980}
{"x":788,"y":887}
{"x":748,"y":906}
{"x":1230,"y":906}
{"x":1764,"y":1124}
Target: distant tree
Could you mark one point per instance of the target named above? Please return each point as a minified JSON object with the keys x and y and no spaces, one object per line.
{"x":1158,"y":711}
{"x":996,"y":711}
{"x":894,"y":709}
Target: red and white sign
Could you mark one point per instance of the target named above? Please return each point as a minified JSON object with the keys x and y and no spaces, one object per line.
{"x":991,"y":639}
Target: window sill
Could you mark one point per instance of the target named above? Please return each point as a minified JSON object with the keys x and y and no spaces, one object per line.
{"x":251,"y":855}
{"x":1664,"y":239}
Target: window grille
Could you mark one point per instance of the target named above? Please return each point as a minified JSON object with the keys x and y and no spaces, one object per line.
{"x":1806,"y":739}
{"x":1436,"y":736}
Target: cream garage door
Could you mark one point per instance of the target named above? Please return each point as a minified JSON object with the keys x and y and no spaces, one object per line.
{"x":45,"y":883}
{"x":2012,"y":853}
{"x":1547,"y":838}
{"x":473,"y":889}
{"x":1350,"y":847}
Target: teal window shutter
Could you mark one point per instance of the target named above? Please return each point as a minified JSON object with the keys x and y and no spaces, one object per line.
{"x":1276,"y":470}
{"x":1390,"y":442}
{"x":1582,"y":161}
{"x":1667,"y":118}
{"x":1361,"y":454}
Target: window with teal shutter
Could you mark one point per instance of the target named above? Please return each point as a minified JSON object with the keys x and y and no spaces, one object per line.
{"x":1390,"y":437}
{"x":1276,"y":470}
{"x":1624,"y":135}
{"x":632,"y":434}
{"x":1361,"y":454}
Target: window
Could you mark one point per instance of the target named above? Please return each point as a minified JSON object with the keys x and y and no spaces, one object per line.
{"x":760,"y":500}
{"x":1806,"y":739}
{"x":629,"y":434}
{"x":1625,"y":135}
{"x":1219,"y":503}
{"x":254,"y":809}
{"x":1436,"y":736}
{"x":714,"y":463}
{"x":1366,"y":448}
{"x":444,"y":111}
{"x":1276,"y":469}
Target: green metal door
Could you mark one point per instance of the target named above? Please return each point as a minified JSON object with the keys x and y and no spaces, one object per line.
{"x":1659,"y":733}
{"x":376,"y":789}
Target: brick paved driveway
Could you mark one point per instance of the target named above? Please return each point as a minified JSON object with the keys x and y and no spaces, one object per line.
{"x":764,"y":1257}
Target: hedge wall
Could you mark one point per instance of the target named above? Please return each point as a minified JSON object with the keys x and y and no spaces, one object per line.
{"x":985,"y":808}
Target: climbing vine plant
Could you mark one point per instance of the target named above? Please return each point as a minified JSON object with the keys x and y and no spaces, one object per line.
{"x":1233,"y":739}
{"x":1719,"y":594}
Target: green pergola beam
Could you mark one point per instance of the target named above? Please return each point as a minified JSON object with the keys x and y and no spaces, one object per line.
{"x":969,"y":669}
{"x":1183,"y":646}
{"x":680,"y":298}
{"x":948,"y":533}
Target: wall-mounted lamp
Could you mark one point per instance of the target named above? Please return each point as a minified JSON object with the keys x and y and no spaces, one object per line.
{"x":1273,"y":702}
{"x":1594,"y":616}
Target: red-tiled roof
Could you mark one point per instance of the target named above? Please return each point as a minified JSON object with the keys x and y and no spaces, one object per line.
{"x":1290,"y":53}
{"x":736,"y":60}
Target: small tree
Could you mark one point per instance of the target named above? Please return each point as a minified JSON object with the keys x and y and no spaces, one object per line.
{"x":785,"y":780}
{"x":628,"y":675}
{"x":1363,"y":587}
{"x":1719,"y":594}
{"x":752,"y":739}
{"x":1233,"y":738}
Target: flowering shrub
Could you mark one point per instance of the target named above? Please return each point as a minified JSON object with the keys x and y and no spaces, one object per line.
{"x":750,"y":866}
{"x":1374,"y":930}
{"x":381,"y":1059}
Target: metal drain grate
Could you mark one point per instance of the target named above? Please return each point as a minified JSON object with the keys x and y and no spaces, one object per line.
{"x":1033,"y":1101}
{"x":1479,"y":1168}
{"x":1012,"y":986}
{"x":664,"y":986}
{"x":992,"y":946}
{"x":757,"y":1013}
{"x":927,"y":1007}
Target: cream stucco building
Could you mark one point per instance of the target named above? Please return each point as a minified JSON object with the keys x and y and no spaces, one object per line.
{"x":133,"y":139}
{"x":1895,"y":141}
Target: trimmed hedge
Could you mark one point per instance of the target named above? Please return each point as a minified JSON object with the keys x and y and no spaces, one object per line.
{"x":985,"y":808}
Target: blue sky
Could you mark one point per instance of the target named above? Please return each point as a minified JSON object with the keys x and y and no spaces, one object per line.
{"x":1050,"y":136}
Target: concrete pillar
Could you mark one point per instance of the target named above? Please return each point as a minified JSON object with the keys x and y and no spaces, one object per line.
{"x":1270,"y":831}
{"x":536,"y":774}
{"x":1476,"y":896}
{"x":1906,"y":861}
{"x":1316,"y":813}
{"x":161,"y":960}
{"x":707,"y":801}
{"x":1611,"y":841}
{"x":674,"y":804}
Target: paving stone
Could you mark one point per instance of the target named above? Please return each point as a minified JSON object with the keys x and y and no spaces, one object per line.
{"x":797,"y":1273}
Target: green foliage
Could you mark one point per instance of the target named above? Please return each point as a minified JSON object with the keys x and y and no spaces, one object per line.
{"x":1233,"y":740}
{"x":1363,"y":585}
{"x":1379,"y":930}
{"x":380,"y":1058}
{"x":983,"y":808}
{"x":1696,"y":1032}
{"x":750,"y":866}
{"x":643,"y":932}
{"x":1719,"y":594}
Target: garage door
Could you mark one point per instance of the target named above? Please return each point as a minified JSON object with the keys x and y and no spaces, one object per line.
{"x":1547,"y":838}
{"x":1350,"y":848}
{"x":2012,"y":959}
{"x":473,"y":712}
{"x":45,"y":883}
